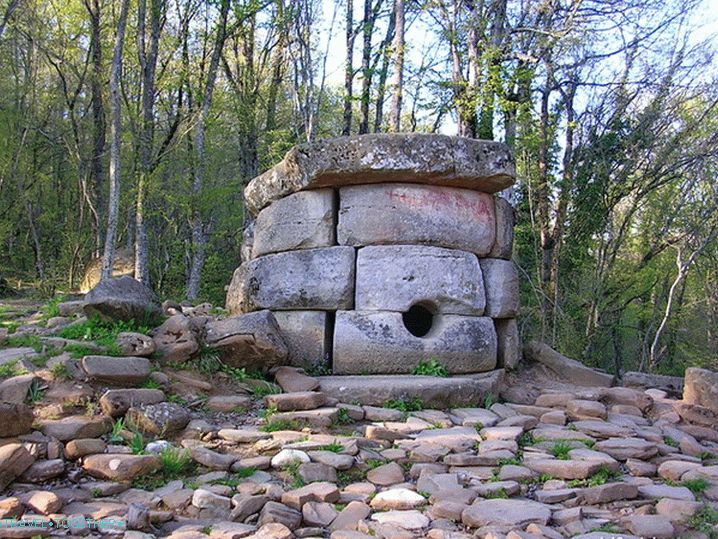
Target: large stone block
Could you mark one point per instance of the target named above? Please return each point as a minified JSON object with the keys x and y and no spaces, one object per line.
{"x":509,"y":343}
{"x":308,"y":341}
{"x":505,"y":221}
{"x":321,"y":279}
{"x":701,"y":387}
{"x":395,"y":277}
{"x":501,"y":283}
{"x":415,"y":158}
{"x":379,"y":342}
{"x":299,"y":221}
{"x":251,"y":341}
{"x":405,"y":213}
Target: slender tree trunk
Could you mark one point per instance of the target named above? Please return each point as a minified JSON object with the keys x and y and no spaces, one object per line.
{"x":148,"y":67}
{"x":199,"y":235}
{"x":398,"y":78}
{"x":277,"y":69}
{"x":9,"y":10}
{"x":368,"y":31}
{"x":98,"y":122}
{"x":383,"y":72}
{"x":349,"y":69}
{"x":115,"y":143}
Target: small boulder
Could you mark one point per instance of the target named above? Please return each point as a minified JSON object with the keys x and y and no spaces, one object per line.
{"x":701,"y":387}
{"x":78,"y":426}
{"x":122,"y":298}
{"x":160,"y":419}
{"x":175,"y":341}
{"x":251,"y":341}
{"x":116,"y":402}
{"x":120,"y":467}
{"x":135,"y":344}
{"x":14,"y":460}
{"x":16,"y":419}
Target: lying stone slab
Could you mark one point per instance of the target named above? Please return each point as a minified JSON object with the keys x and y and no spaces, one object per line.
{"x":505,"y":221}
{"x":434,"y":392}
{"x":514,"y":513}
{"x":501,"y":282}
{"x":570,"y":369}
{"x":378,"y":342}
{"x":671,"y":384}
{"x":302,"y":220}
{"x":417,"y":158}
{"x":396,"y":277}
{"x":116,"y":370}
{"x":701,"y":388}
{"x":17,"y":418}
{"x":405,"y":213}
{"x":305,"y":334}
{"x":321,"y":279}
{"x":251,"y":340}
{"x":14,"y":460}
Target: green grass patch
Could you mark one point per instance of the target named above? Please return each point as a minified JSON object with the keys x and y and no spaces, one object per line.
{"x":103,"y":333}
{"x":59,"y":372}
{"x":497,"y":494}
{"x":431,"y":368}
{"x":704,"y":521}
{"x":601,"y":477}
{"x":10,"y":369}
{"x":274,"y":425}
{"x":560,"y":450}
{"x":696,"y":486}
{"x":412,"y":405}
{"x":334,"y":447}
{"x":670,"y":441}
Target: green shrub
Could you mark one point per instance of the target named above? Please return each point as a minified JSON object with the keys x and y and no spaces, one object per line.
{"x":431,"y":368}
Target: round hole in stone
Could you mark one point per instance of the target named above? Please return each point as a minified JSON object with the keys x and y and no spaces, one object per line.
{"x":418,"y":320}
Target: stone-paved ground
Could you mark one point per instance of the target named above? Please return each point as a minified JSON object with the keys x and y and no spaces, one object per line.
{"x":218,"y":460}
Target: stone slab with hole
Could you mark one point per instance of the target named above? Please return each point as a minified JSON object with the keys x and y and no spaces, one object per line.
{"x":379,"y":342}
{"x":399,"y":277}
{"x":416,"y":214}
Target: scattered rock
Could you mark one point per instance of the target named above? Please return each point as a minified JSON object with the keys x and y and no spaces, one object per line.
{"x":174,"y":340}
{"x":116,"y":370}
{"x":161,"y":419}
{"x":701,"y":387}
{"x":135,"y":344}
{"x":16,"y":419}
{"x":119,"y":467}
{"x":122,"y":298}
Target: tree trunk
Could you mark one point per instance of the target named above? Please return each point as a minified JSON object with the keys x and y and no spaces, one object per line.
{"x":368,"y":31}
{"x":199,"y":234}
{"x":349,"y":69}
{"x":383,"y":73}
{"x":148,"y":67}
{"x":398,"y":78}
{"x":115,"y":143}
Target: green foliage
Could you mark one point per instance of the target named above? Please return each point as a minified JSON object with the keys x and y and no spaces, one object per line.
{"x":274,"y":425}
{"x":431,"y":368}
{"x":10,"y":369}
{"x":497,"y":494}
{"x":696,"y":486}
{"x":343,"y":417}
{"x":601,"y":477}
{"x":137,"y":443}
{"x":59,"y":371}
{"x":115,"y":436}
{"x":705,"y":521}
{"x":670,"y":441}
{"x":561,"y":449}
{"x":526,"y":439}
{"x":334,"y":447}
{"x":102,"y":333}
{"x":175,"y":462}
{"x":151,"y":384}
{"x":411,"y":405}
{"x":35,"y":392}
{"x":374,"y":463}
{"x":505,"y":462}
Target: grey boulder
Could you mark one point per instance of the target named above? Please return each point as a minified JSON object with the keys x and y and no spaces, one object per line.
{"x":122,"y":298}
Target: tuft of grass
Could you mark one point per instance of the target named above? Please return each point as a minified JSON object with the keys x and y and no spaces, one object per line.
{"x":51,"y":309}
{"x":35,"y":392}
{"x":497,"y":494}
{"x":59,"y":372}
{"x":560,"y":450}
{"x":343,"y":417}
{"x":334,"y":447}
{"x":609,"y":527}
{"x":705,"y":521}
{"x":10,"y":369}
{"x":137,"y":443}
{"x":175,"y":462}
{"x":601,"y":477}
{"x":413,"y":405}
{"x":670,"y":441}
{"x":264,"y":389}
{"x":374,"y":463}
{"x":275,"y":425}
{"x":431,"y":368}
{"x":504,"y":462}
{"x":488,"y":401}
{"x":77,"y":351}
{"x":151,"y":384}
{"x":117,"y":427}
{"x":526,"y":439}
{"x":544,"y":477}
{"x":96,"y":492}
{"x":696,"y":486}
{"x":293,"y":470}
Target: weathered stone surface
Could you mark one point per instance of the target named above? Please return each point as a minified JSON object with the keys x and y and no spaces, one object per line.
{"x":395,"y":277}
{"x":303,"y":220}
{"x":119,"y":467}
{"x":135,"y":344}
{"x":320,"y":278}
{"x":229,"y":403}
{"x":505,"y":220}
{"x":14,"y":460}
{"x":435,"y":392}
{"x":122,"y":298}
{"x":306,"y":336}
{"x":123,"y":263}
{"x":174,"y":340}
{"x":508,"y":343}
{"x":517,"y":513}
{"x":79,"y":426}
{"x":564,"y":469}
{"x":377,"y":342}
{"x":609,"y":492}
{"x":251,"y":340}
{"x":701,"y":388}
{"x":397,"y":499}
{"x":212,"y":459}
{"x":116,"y":370}
{"x":627,"y":448}
{"x":656,"y":526}
{"x":161,"y":419}
{"x":501,"y":283}
{"x":570,"y":369}
{"x":74,"y":449}
{"x":292,"y":380}
{"x":42,"y":501}
{"x":418,"y":158}
{"x":115,"y":402}
{"x":405,"y":214}
{"x":672,"y":384}
{"x":15,"y":389}
{"x":43,"y":470}
{"x":16,"y":418}
{"x":301,"y":400}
